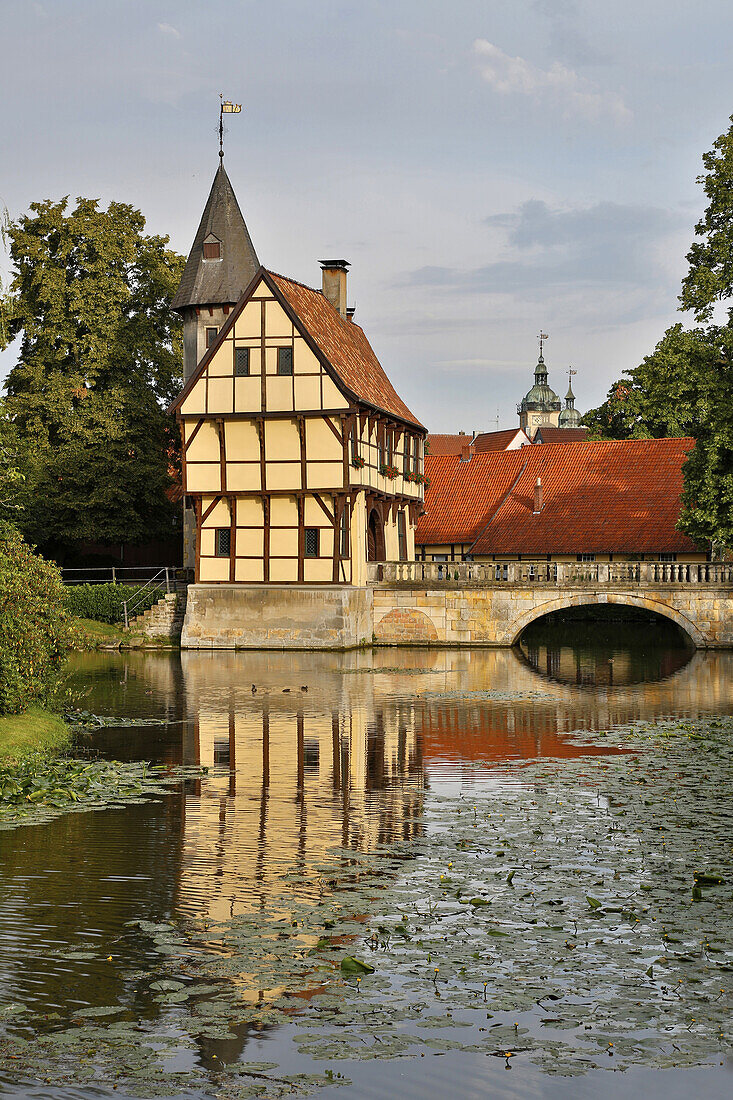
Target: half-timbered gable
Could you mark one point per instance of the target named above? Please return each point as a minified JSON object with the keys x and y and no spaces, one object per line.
{"x":301,"y":462}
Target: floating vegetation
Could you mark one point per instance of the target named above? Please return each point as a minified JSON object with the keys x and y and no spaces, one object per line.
{"x":85,"y":721}
{"x":579,"y":916}
{"x":477,"y":696}
{"x":38,"y":787}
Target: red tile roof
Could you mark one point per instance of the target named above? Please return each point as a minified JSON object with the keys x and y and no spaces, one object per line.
{"x":484,"y":441}
{"x":447,"y":444}
{"x":562,"y":435}
{"x":461,"y":495}
{"x":497,"y":441}
{"x":345,"y":346}
{"x":614,"y":497}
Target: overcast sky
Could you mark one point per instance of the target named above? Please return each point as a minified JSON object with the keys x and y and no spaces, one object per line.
{"x":489,"y":168}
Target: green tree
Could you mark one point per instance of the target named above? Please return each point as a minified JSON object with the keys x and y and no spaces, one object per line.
{"x":11,"y":479}
{"x":710,"y":259}
{"x":35,"y":628}
{"x":100,"y":358}
{"x":685,"y":387}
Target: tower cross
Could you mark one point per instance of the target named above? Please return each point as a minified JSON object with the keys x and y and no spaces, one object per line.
{"x":542,"y":337}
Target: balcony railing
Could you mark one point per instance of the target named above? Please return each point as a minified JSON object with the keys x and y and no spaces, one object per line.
{"x":554,"y":574}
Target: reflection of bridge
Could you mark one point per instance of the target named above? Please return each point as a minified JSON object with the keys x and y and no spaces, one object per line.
{"x":471,"y":603}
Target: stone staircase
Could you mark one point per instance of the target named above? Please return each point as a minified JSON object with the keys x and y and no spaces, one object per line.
{"x":165,"y":618}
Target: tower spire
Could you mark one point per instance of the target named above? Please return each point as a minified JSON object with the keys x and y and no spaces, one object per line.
{"x":570,"y":396}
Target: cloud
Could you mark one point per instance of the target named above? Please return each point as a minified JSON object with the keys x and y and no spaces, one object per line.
{"x":607,"y":224}
{"x":603,"y":257}
{"x":170,"y":31}
{"x":567,"y":40}
{"x":559,"y":85}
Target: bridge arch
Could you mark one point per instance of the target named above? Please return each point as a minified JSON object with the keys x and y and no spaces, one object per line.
{"x":590,"y":599}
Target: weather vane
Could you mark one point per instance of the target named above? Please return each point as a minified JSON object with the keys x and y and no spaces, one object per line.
{"x":542,"y":337}
{"x":571,"y":372}
{"x":226,"y":107}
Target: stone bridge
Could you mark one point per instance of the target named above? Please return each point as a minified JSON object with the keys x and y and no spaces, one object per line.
{"x":469,"y":603}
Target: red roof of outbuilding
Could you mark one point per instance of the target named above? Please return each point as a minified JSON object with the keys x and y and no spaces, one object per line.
{"x":610,"y":497}
{"x":497,"y":441}
{"x":345,"y":346}
{"x":484,"y":441}
{"x":447,"y":444}
{"x":562,"y":435}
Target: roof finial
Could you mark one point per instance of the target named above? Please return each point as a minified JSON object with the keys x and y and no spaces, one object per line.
{"x":542,"y":337}
{"x":570,"y":396}
{"x":226,"y":107}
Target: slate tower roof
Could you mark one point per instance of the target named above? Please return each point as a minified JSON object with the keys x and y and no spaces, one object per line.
{"x":218,"y":281}
{"x":541,"y":397}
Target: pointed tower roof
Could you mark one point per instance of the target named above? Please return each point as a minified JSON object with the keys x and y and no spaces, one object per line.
{"x":222,"y":280}
{"x":569,"y":417}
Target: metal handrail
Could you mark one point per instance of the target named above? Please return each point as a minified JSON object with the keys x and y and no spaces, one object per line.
{"x":157,"y":583}
{"x":114,"y":574}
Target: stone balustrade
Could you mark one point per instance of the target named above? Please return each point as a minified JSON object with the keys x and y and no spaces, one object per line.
{"x":553,"y":574}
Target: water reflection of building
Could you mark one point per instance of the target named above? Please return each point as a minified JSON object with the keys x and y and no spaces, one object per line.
{"x":492,"y":705}
{"x":295,"y":775}
{"x":603,"y":666}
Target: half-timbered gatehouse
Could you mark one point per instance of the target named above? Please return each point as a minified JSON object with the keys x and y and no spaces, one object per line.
{"x":300,"y":461}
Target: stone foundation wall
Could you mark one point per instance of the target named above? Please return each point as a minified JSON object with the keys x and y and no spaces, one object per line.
{"x":231,"y":616}
{"x":496,"y":616}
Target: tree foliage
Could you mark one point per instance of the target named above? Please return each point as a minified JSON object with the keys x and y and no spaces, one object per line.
{"x":35,"y":628}
{"x":685,"y":387}
{"x":100,"y":358}
{"x":11,"y":479}
{"x":710,"y":276}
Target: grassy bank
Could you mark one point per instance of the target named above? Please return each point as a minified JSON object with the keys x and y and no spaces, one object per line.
{"x":37,"y":730}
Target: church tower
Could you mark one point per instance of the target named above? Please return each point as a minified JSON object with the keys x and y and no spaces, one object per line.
{"x":220,"y":266}
{"x":540,"y":406}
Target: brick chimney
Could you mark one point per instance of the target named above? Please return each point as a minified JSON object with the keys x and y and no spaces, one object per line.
{"x":334,"y":283}
{"x":467,"y":451}
{"x":538,"y":496}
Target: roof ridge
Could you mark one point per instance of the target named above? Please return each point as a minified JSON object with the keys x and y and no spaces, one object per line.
{"x":640,"y":439}
{"x":295,"y":282}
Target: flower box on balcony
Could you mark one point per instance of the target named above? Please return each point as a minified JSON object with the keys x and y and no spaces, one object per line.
{"x":358,"y":462}
{"x":388,"y":471}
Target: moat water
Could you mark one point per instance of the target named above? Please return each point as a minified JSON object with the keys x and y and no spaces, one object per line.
{"x":305,"y":766}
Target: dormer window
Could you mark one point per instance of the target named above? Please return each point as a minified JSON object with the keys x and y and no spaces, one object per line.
{"x":212,"y":248}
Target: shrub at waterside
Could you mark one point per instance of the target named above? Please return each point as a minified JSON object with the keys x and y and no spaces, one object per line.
{"x":103,"y":602}
{"x":35,"y":628}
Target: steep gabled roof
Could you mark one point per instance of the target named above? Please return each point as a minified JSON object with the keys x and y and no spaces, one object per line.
{"x":339,"y":343}
{"x":345,"y":346}
{"x":611,"y":497}
{"x":218,"y":282}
